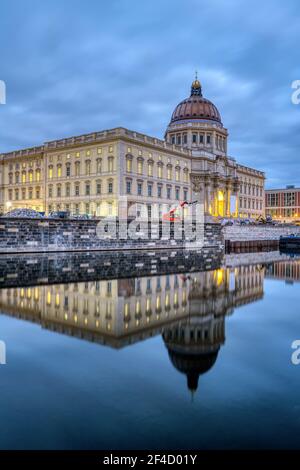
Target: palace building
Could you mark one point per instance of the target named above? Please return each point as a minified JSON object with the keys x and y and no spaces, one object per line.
{"x":88,"y":174}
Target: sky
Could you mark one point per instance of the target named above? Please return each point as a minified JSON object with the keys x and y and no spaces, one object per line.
{"x":73,"y":67}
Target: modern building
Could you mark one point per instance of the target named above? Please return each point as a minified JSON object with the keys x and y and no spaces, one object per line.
{"x":89,"y":173}
{"x":283,"y":204}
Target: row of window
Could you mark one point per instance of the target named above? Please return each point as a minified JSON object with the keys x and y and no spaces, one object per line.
{"x":25,"y":177}
{"x":199,"y":138}
{"x":160,"y":170}
{"x":254,"y":190}
{"x":56,"y":191}
{"x":248,"y":204}
{"x":160,"y":190}
{"x":24,"y":165}
{"x":21,"y":194}
{"x":289,"y":199}
{"x":78,"y":168}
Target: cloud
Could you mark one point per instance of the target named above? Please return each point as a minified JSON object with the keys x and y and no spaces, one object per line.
{"x":73,"y":67}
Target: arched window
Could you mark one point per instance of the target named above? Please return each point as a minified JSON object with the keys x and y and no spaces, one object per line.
{"x":50,"y":172}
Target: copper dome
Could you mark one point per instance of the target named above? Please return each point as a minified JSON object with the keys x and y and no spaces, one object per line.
{"x":196,"y":107}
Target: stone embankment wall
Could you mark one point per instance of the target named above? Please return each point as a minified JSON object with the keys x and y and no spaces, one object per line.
{"x":51,"y":235}
{"x":258,"y":232}
{"x":56,"y":268}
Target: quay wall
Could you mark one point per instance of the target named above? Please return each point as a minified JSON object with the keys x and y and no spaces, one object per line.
{"x":258,"y":232}
{"x":19,"y":235}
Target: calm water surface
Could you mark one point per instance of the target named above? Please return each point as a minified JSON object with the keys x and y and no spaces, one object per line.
{"x":199,"y":360}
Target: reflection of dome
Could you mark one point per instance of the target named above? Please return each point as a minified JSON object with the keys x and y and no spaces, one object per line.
{"x":193,"y":346}
{"x":192,"y":365}
{"x":196,"y":107}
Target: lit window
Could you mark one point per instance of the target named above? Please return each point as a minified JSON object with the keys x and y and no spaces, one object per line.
{"x":140,"y":167}
{"x":150,"y":169}
{"x":159,"y":171}
{"x":129,"y":165}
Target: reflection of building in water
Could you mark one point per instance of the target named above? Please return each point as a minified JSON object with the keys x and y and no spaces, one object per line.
{"x":189,"y":310}
{"x":284,"y":270}
{"x":121,"y":311}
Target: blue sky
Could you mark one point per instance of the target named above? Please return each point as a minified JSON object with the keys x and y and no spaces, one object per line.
{"x":77,"y":66}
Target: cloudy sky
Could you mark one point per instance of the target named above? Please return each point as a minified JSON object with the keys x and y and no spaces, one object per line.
{"x":75,"y":66}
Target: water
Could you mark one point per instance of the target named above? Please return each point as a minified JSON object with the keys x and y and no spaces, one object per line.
{"x":197,"y":360}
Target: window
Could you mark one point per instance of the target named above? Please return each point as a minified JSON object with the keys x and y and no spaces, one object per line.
{"x":128,"y":187}
{"x":140,"y":167}
{"x":50,"y":191}
{"x":194,"y":138}
{"x":185,"y":194}
{"x":23,"y":193}
{"x":129,"y":165}
{"x":10,"y":178}
{"x":17,"y":177}
{"x":87,"y":189}
{"x":169,"y":172}
{"x":201,"y":138}
{"x":77,"y":209}
{"x":10,"y":194}
{"x":208,"y":139}
{"x":169,"y":192}
{"x":24,"y":177}
{"x":99,"y":150}
{"x":30,"y":193}
{"x":110,"y":149}
{"x":88,"y":167}
{"x":139,"y":189}
{"x":177,"y":174}
{"x":30,"y":176}
{"x":177,"y":191}
{"x":160,"y":171}
{"x":77,"y":189}
{"x":77,"y":169}
{"x":38,"y":175}
{"x":110,"y":187}
{"x":178,"y":140}
{"x":149,"y":190}
{"x":58,"y":190}
{"x":110,"y":164}
{"x":88,"y":153}
{"x":16,"y":194}
{"x":185,"y":138}
{"x":185,"y":175}
{"x":99,"y":165}
{"x":59,"y":171}
{"x":68,"y":170}
{"x":173,"y":139}
{"x":98,"y":187}
{"x":87,"y":208}
{"x":159,"y":190}
{"x":37,"y":193}
{"x":150,"y":169}
{"x":68,"y":192}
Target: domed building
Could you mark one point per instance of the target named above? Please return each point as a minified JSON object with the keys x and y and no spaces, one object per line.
{"x":90,"y":173}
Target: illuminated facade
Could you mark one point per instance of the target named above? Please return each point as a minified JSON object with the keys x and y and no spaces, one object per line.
{"x":188,"y":310}
{"x":88,"y":174}
{"x":283,"y":204}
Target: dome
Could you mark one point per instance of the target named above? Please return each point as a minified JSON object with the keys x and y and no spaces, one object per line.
{"x":196,"y":107}
{"x":193,"y":365}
